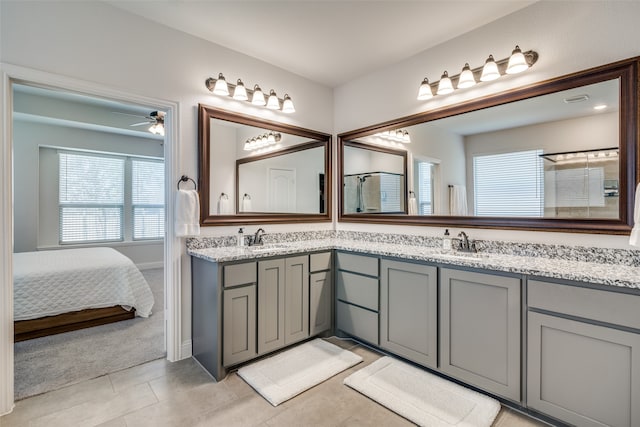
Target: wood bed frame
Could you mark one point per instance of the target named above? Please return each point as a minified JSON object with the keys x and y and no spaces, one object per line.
{"x":50,"y":325}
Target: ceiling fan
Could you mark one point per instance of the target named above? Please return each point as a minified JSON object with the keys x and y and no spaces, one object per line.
{"x":155,"y":119}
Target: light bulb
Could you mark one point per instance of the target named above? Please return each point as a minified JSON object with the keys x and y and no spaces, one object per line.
{"x":258,"y":96}
{"x":406,"y":138}
{"x":517,"y":62}
{"x":271,"y":138}
{"x":221,"y":87}
{"x":444,"y":86}
{"x":490,"y":70}
{"x":240,"y":92}
{"x":272,"y":102}
{"x":466,"y":78}
{"x":425,"y":91}
{"x":287,"y":105}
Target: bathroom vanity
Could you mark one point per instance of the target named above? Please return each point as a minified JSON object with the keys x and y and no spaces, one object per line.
{"x":554,"y":337}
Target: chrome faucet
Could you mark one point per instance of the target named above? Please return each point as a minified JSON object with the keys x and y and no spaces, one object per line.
{"x":464,"y":245}
{"x":257,"y":238}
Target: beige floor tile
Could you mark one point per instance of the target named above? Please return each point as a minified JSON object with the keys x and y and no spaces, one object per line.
{"x":97,"y":411}
{"x":238,"y":386}
{"x":180,"y":376}
{"x":118,"y":422}
{"x":54,"y":401}
{"x":251,"y":410}
{"x":139,"y":374}
{"x":345,"y":343}
{"x":184,"y":408}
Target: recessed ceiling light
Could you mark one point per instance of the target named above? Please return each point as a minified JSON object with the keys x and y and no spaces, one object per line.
{"x":600,"y":107}
{"x":577,"y":98}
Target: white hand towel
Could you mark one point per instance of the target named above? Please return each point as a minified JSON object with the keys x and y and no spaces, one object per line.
{"x":634,"y":239}
{"x":246,"y":204}
{"x":458,"y":200}
{"x":413,"y":206}
{"x":187,"y":213}
{"x":223,"y":205}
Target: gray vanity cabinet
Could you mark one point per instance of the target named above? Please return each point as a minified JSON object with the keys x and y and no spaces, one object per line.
{"x":409,"y":311}
{"x":320,"y":291}
{"x":583,"y":354}
{"x":239,"y":325}
{"x":357,"y":288}
{"x":283,"y":302}
{"x":480,"y":332}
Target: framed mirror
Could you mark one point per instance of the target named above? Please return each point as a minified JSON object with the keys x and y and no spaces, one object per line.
{"x":557,"y":156}
{"x":259,"y":171}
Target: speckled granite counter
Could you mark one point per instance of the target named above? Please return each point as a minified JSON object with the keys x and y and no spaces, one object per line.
{"x":609,"y":274}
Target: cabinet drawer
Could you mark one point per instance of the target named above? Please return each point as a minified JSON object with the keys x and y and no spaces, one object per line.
{"x":356,"y":289}
{"x":357,"y":321}
{"x":239,"y":274}
{"x":358,"y":263}
{"x":611,"y":307}
{"x":319,"y":262}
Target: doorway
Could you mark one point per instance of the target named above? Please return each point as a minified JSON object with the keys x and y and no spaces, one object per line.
{"x":171,"y":251}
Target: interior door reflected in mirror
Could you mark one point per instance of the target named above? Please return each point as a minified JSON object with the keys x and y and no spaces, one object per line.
{"x":259,"y":171}
{"x":559,"y":155}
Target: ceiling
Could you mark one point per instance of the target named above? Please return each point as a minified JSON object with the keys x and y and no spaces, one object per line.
{"x":327,"y":41}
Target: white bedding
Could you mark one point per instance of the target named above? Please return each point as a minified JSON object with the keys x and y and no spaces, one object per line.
{"x":47,"y":283}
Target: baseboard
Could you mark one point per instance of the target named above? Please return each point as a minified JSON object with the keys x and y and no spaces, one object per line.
{"x":150,"y":265}
{"x":186,"y":350}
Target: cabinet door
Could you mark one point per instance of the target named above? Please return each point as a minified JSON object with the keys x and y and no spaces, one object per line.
{"x":239,"y":330}
{"x":409,"y":311}
{"x":271,"y":278}
{"x":296,"y":296}
{"x":583,"y":374}
{"x":480,"y":330}
{"x":319,"y":302}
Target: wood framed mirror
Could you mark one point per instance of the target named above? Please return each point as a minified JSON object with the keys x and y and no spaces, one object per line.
{"x":256,"y":171}
{"x":560,"y":155}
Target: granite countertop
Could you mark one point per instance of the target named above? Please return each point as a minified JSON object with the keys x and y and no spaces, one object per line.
{"x":592,"y":272}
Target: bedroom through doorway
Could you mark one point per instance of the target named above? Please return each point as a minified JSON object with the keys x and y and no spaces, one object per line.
{"x":89,"y":237}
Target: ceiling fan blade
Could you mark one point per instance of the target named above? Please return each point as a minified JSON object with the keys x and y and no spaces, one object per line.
{"x":132,"y":115}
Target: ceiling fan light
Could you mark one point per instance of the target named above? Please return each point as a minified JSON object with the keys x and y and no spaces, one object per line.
{"x":490,"y":70}
{"x":466,"y":78}
{"x":258,"y":96}
{"x":445,"y":86}
{"x":240,"y":92}
{"x":221,"y":87}
{"x":517,"y":62}
{"x":272,"y":102}
{"x":425,"y":91}
{"x":287,"y":105}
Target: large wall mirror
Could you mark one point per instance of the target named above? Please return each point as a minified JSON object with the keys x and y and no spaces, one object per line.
{"x":260,"y":171}
{"x":557,"y":156}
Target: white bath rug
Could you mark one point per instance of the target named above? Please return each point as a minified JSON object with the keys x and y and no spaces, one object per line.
{"x":421,"y":397}
{"x":287,"y":374}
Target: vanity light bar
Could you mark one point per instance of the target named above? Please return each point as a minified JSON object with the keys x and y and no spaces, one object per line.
{"x":255,"y":96}
{"x":398,"y":135}
{"x":491,"y":70}
{"x":262,"y":141}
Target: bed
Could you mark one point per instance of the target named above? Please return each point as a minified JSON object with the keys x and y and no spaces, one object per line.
{"x":61,"y":290}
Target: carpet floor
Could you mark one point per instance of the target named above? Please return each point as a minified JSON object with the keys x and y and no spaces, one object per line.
{"x":49,"y":363}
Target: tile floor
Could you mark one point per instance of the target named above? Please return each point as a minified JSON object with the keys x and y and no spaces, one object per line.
{"x":161,"y":393}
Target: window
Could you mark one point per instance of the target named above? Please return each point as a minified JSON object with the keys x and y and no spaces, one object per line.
{"x":91,"y":198}
{"x":425,"y":188}
{"x":147,"y":199}
{"x":109,"y":198}
{"x":509,"y":184}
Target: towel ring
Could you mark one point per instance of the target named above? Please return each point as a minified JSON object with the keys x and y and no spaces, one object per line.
{"x":185,"y":178}
{"x":246,"y":197}
{"x":224,"y":196}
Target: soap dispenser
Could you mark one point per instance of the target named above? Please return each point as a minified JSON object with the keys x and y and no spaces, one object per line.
{"x":240,"y":237}
{"x":446,"y":241}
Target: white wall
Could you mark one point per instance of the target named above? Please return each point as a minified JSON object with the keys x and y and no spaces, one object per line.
{"x":569,"y":36}
{"x":95,"y":42}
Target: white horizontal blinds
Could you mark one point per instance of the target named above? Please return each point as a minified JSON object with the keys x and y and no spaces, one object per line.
{"x":425,"y":188}
{"x":509,"y":184}
{"x":147,"y":198}
{"x":91,"y":197}
{"x":390,"y":188}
